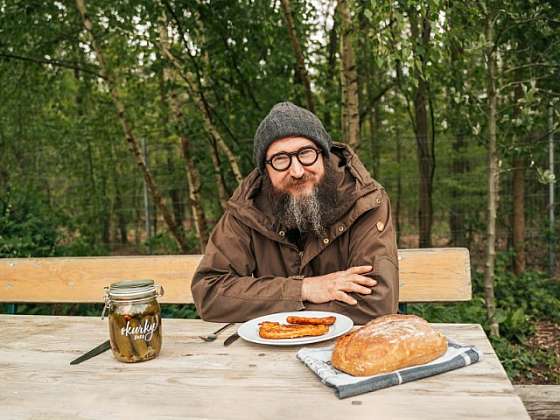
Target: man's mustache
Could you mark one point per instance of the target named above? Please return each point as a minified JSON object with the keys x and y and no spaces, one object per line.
{"x":297,"y":182}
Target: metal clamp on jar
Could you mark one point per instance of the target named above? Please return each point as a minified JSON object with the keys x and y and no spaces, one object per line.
{"x":134,"y":319}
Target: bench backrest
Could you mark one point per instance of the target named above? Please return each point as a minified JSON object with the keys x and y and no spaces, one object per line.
{"x":426,"y":275}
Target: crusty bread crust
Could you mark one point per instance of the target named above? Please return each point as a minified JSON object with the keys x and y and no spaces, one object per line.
{"x":386,"y":344}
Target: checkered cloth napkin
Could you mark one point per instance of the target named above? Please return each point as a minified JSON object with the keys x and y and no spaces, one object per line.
{"x":319,"y":361}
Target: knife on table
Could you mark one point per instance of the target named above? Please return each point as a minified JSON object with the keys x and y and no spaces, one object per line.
{"x":103,"y":347}
{"x":231,"y":339}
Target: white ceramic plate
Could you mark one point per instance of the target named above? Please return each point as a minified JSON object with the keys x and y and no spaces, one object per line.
{"x":250,"y":330}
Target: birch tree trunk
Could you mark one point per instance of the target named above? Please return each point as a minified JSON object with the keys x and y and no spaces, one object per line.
{"x":131,"y":139}
{"x":211,"y":128}
{"x":177,"y":198}
{"x":198,"y":99}
{"x":518,"y":224}
{"x":399,"y":186}
{"x":193,"y":181}
{"x":298,"y":52}
{"x":370,"y":110}
{"x":105,"y":215}
{"x":192,"y":174}
{"x":459,"y":163}
{"x":122,"y":222}
{"x":518,"y":188}
{"x":215,"y":144}
{"x":174,"y":193}
{"x":351,"y":109}
{"x":420,"y":31}
{"x":331,"y":71}
{"x":493,"y":177}
{"x":459,"y":167}
{"x":218,"y":176}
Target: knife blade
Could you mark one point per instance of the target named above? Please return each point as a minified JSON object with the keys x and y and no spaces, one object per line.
{"x":103,"y":347}
{"x":231,"y":339}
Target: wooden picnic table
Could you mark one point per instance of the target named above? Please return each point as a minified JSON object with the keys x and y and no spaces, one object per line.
{"x":195,"y":379}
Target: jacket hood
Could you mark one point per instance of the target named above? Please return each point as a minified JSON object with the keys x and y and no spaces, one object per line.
{"x":357,"y":192}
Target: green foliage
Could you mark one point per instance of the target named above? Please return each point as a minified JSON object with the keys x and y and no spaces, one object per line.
{"x":163,"y":243}
{"x":519,"y":361}
{"x":521,"y":302}
{"x":57,"y":309}
{"x":179,"y":311}
{"x":82,"y":247}
{"x":187,"y":311}
{"x":27,"y":228}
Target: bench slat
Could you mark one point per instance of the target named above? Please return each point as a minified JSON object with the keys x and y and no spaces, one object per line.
{"x":542,"y":401}
{"x":427,"y":275}
{"x":435,"y":275}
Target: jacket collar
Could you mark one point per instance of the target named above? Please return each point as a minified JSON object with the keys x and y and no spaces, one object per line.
{"x":357,"y":192}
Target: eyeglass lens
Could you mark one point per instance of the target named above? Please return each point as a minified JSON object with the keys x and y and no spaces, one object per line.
{"x":307,"y":157}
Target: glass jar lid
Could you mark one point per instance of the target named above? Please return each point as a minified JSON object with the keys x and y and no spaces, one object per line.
{"x":132,"y":289}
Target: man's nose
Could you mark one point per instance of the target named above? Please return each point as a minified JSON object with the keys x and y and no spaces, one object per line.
{"x":296,"y":169}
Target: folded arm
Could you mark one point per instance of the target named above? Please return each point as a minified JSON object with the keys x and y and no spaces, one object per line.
{"x":223,"y":287}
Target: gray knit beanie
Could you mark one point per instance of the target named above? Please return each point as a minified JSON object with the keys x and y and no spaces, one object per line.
{"x":288,"y":120}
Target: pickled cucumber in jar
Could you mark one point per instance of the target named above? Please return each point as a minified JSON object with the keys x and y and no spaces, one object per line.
{"x":134,"y":321}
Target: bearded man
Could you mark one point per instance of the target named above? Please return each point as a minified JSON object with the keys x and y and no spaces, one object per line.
{"x":307,"y":229}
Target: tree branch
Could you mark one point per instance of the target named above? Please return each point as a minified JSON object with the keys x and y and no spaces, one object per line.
{"x":57,"y":63}
{"x":375,"y":98}
{"x":524,"y":66}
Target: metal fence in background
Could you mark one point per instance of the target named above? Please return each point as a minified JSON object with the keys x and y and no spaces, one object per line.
{"x":462,"y":193}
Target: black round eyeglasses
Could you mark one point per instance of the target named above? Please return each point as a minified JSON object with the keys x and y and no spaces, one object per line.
{"x":282,"y":161}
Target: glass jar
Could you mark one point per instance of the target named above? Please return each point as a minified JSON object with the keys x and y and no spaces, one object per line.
{"x":134,"y":319}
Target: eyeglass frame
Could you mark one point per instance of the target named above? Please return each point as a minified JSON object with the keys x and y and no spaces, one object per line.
{"x":296,"y":154}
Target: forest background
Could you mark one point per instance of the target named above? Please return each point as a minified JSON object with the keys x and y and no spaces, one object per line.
{"x":125,"y":126}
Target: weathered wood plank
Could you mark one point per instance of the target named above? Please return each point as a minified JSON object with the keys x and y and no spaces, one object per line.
{"x":193,"y":379}
{"x":82,"y":279}
{"x":435,"y":274}
{"x":542,"y":401}
{"x":426,"y":275}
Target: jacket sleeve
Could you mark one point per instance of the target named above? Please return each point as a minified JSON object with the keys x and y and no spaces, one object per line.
{"x":223,"y":287}
{"x":373,"y":242}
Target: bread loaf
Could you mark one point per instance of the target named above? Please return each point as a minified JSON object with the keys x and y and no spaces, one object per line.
{"x":386,"y":344}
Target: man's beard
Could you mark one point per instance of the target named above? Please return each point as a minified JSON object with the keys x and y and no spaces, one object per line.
{"x":311,"y":212}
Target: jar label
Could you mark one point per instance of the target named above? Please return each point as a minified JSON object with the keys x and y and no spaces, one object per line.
{"x":144,"y":331}
{"x":135,"y":337}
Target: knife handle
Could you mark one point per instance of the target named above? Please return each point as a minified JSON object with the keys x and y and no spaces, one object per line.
{"x":231,"y":339}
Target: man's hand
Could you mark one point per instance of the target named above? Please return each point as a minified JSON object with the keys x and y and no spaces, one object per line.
{"x":322,"y":289}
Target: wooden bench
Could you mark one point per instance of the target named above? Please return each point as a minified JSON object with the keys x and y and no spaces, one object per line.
{"x":542,"y":401}
{"x":426,"y":275}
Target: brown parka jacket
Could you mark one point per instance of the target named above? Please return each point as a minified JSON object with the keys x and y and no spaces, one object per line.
{"x":251,"y":269}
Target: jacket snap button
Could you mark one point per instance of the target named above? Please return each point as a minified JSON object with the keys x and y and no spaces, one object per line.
{"x":282,"y":233}
{"x":380,"y":226}
{"x":378,"y":200}
{"x":340,"y":228}
{"x":326,"y":241}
